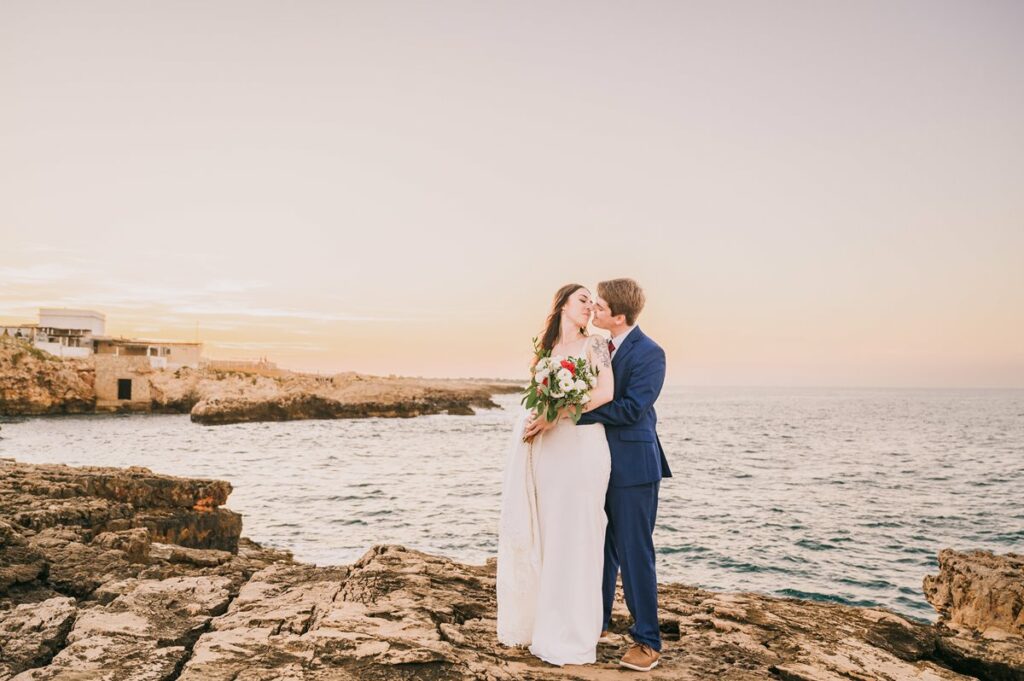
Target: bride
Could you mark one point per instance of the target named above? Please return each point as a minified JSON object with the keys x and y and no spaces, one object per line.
{"x":551,"y":532}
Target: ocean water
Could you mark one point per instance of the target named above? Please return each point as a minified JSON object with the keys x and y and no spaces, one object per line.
{"x":828,"y":494}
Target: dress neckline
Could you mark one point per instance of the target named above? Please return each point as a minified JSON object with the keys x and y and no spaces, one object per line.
{"x":583,"y":350}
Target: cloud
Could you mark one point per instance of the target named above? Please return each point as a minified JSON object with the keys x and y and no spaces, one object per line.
{"x":45,"y":273}
{"x":234,"y":286}
{"x":235,"y":310}
{"x":266,"y":345}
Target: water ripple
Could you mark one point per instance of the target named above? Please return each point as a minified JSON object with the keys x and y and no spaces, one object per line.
{"x":843,"y":496}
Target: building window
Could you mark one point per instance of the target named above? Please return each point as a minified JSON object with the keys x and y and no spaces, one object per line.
{"x":124,"y":388}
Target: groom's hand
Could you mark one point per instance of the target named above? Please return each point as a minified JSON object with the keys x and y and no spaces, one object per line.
{"x":535,"y":426}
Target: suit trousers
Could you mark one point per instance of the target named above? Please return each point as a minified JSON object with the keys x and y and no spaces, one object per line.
{"x":629,"y":546}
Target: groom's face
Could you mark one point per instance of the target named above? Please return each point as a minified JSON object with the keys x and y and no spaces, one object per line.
{"x":602,"y":315}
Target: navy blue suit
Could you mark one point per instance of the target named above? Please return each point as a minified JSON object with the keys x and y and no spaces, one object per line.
{"x":638,"y":465}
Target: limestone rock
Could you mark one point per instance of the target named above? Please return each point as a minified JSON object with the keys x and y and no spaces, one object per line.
{"x":181,"y":554}
{"x":144,"y":634}
{"x":980,"y":600}
{"x":97,"y":500}
{"x":160,"y":611}
{"x":19,"y":563}
{"x":404,"y":401}
{"x":77,"y":568}
{"x":215,"y":528}
{"x":134,"y":543}
{"x":979,"y":590}
{"x":30,"y":635}
{"x":35,"y":382}
{"x":398,"y":613}
{"x":171,"y":611}
{"x":990,"y":655}
{"x":136,"y":486}
{"x":101,"y":658}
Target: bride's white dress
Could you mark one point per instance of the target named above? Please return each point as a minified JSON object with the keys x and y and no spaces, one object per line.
{"x":551,"y":542}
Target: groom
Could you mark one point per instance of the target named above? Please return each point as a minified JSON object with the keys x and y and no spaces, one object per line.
{"x":638,"y":465}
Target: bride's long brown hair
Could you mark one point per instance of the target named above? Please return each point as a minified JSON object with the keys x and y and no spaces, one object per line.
{"x":553,"y":325}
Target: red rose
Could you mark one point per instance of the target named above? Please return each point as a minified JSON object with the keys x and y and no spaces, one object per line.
{"x":566,"y":364}
{"x":544,"y":382}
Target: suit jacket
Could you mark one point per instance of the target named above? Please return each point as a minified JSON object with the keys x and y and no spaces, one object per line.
{"x":629,"y":419}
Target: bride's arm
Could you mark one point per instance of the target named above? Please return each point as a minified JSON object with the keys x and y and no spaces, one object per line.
{"x":602,"y":360}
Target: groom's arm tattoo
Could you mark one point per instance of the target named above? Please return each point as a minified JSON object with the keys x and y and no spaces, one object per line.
{"x":604,"y":358}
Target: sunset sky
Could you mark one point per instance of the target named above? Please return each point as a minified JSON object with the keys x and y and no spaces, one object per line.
{"x":812,"y":193}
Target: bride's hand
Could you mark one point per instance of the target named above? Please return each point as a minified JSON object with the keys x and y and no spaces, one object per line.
{"x":535,"y":426}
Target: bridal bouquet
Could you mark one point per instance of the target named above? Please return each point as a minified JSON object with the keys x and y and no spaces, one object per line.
{"x":559,"y":383}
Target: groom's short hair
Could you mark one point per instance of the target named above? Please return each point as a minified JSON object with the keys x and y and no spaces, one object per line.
{"x":624,"y":296}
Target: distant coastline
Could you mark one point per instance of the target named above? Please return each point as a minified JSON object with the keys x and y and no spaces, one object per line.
{"x":36,"y":383}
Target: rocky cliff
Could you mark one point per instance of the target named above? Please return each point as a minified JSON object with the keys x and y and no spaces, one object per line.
{"x":234,"y":398}
{"x":980,"y":600}
{"x":91,"y":588}
{"x":36,"y":382}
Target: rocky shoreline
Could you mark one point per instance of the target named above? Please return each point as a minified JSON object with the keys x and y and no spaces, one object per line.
{"x":33,"y":382}
{"x":125,"y":574}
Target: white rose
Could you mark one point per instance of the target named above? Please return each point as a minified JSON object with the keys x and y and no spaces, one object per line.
{"x":564,"y":375}
{"x":565,"y":386}
{"x":579,"y":385}
{"x":585,"y":398}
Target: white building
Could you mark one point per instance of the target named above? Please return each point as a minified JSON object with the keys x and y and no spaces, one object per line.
{"x":61,"y":331}
{"x":80,"y":333}
{"x":64,"y":318}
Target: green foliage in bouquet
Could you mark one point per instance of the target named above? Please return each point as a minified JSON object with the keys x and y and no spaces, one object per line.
{"x":558,"y":384}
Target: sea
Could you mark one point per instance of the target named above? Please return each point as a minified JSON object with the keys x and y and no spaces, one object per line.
{"x":840,"y":495}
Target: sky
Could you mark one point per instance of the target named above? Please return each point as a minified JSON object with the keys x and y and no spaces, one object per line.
{"x":810,"y":193}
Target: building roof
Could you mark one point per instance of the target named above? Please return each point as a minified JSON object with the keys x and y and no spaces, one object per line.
{"x":72,"y":311}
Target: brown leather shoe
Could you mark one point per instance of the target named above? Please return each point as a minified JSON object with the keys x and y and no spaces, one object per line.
{"x":640,"y":658}
{"x":606,"y":637}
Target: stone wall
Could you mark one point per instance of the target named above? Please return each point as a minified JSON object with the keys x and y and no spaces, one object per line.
{"x":111,"y":368}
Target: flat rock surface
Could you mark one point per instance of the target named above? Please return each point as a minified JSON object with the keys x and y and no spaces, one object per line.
{"x":232,"y":398}
{"x":92,"y":500}
{"x":398,"y":613}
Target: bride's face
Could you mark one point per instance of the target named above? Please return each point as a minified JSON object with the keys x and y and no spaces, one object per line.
{"x":579,"y":307}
